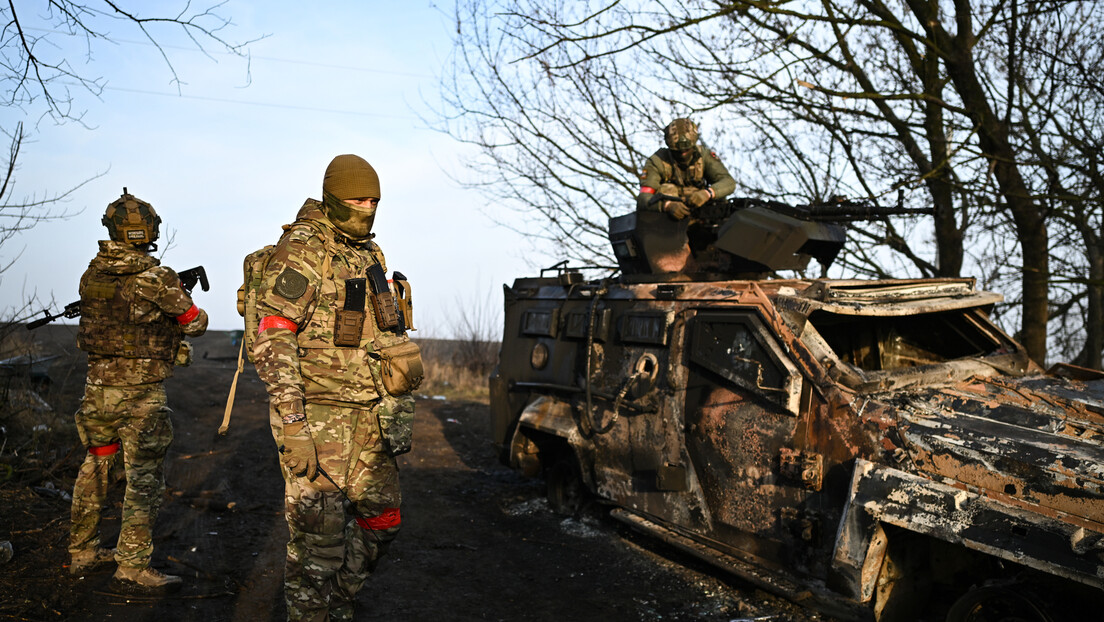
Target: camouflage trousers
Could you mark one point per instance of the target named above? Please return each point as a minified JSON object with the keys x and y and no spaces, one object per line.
{"x":334,"y":544}
{"x":135,"y":420}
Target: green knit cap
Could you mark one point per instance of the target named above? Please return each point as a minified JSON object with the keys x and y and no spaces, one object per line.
{"x":351,"y":177}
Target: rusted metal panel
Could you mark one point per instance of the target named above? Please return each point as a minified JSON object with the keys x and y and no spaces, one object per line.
{"x":975,"y":521}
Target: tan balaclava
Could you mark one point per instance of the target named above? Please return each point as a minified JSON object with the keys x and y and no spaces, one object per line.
{"x":350,"y":177}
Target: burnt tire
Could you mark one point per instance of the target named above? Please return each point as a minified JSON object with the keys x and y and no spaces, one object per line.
{"x":997,"y":604}
{"x":566,"y":491}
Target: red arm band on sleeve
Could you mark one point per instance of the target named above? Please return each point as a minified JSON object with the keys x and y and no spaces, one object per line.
{"x":104,"y":450}
{"x":647,"y":190}
{"x":188,"y":315}
{"x":387,"y":519}
{"x":275,"y":321}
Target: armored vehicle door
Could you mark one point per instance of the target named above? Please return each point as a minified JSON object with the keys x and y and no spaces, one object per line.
{"x":742,"y":409}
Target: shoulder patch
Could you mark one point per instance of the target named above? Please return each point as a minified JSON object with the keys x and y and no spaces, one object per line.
{"x":290,"y":284}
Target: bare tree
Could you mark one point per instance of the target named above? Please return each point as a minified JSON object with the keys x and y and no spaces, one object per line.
{"x":841,"y":97}
{"x":39,"y":79}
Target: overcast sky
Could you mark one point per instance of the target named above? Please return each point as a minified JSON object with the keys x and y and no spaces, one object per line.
{"x":232,"y":157}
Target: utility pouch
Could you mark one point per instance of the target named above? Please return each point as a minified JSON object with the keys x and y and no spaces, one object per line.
{"x":396,"y":422}
{"x":183,"y":356}
{"x":383,"y":302}
{"x":349,"y":323}
{"x":401,"y":367}
{"x":403,"y":301}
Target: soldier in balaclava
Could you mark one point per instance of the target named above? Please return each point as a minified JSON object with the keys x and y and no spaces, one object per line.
{"x":134,"y":314}
{"x":684,"y":169}
{"x":327,"y":332}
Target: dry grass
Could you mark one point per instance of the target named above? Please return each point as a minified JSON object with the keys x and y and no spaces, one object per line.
{"x":457,"y":369}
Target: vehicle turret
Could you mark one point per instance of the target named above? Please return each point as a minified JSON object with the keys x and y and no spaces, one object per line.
{"x":738,"y":238}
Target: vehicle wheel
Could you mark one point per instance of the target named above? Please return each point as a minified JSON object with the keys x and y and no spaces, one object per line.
{"x":566,"y":491}
{"x":997,"y":604}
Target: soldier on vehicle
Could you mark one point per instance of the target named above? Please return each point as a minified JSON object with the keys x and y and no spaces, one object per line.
{"x":683,"y":169}
{"x":134,"y":314}
{"x":677,"y":181}
{"x":328,"y":345}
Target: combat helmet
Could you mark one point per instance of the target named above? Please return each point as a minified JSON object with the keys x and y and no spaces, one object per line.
{"x":350,"y":177}
{"x":131,"y":220}
{"x":681,"y":134}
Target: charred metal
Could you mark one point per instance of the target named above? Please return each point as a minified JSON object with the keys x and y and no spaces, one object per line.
{"x":872,"y":448}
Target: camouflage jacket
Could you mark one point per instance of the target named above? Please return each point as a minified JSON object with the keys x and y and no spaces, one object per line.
{"x":155,"y":303}
{"x":704,"y":172}
{"x":302,"y":289}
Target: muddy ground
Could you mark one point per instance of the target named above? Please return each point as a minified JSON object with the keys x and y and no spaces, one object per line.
{"x":478,"y":541}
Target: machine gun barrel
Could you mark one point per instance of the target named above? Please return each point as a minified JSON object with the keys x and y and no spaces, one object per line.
{"x":852,"y":211}
{"x":837,"y":211}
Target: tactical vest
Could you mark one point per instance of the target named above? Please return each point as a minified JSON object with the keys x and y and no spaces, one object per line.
{"x":671,"y":173}
{"x":106,"y":324}
{"x":333,"y":295}
{"x":340,"y":357}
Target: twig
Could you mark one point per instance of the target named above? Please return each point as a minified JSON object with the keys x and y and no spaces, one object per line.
{"x":40,"y":529}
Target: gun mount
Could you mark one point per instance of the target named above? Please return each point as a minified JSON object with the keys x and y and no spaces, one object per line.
{"x":738,"y":238}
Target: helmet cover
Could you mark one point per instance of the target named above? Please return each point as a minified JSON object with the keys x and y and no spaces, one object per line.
{"x":681,"y":134}
{"x":131,"y":220}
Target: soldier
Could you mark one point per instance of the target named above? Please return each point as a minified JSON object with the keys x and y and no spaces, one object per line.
{"x":326,"y":323}
{"x":684,"y":169}
{"x":134,"y":313}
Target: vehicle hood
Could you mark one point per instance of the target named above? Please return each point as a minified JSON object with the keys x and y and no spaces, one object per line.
{"x":1035,"y":441}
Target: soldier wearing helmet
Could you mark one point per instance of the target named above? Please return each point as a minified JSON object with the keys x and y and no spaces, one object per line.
{"x":329,"y":339}
{"x":683,"y":169}
{"x":134,"y":315}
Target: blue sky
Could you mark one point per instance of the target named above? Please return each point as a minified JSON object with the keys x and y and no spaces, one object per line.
{"x":231,"y":158}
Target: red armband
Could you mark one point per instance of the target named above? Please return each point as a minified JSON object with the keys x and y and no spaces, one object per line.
{"x":385,"y":520}
{"x":647,"y":190}
{"x":275,"y":321}
{"x":188,"y":315}
{"x":104,"y":450}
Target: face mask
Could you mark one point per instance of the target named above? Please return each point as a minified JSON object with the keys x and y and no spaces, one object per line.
{"x":353,"y":221}
{"x":685,"y":157}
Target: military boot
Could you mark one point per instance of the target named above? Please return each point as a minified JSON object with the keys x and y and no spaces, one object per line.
{"x":87,"y":561}
{"x":147,"y":580}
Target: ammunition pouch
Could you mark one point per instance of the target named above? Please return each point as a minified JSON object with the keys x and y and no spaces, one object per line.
{"x":349,"y":321}
{"x":383,"y":301}
{"x":401,"y":367}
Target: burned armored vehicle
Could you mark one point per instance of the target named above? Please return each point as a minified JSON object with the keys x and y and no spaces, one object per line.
{"x":878,"y":450}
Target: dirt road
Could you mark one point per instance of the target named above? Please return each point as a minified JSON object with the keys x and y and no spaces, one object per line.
{"x":478,"y":541}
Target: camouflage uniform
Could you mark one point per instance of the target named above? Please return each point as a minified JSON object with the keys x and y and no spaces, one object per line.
{"x":701,"y":170}
{"x":332,"y":548}
{"x":133,"y":315}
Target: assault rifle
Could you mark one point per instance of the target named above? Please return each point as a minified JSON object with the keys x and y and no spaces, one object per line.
{"x":71,"y":310}
{"x":188,"y":280}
